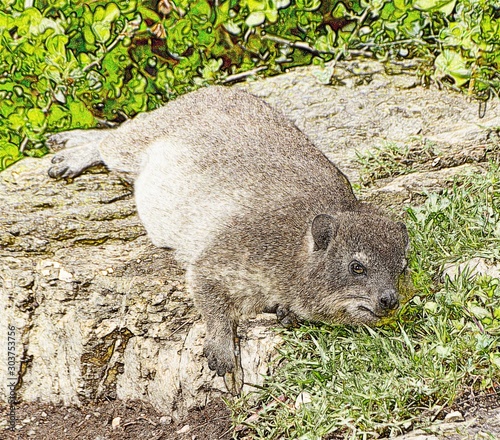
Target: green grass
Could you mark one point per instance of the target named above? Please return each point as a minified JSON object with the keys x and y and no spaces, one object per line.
{"x":391,"y":160}
{"x":367,"y":382}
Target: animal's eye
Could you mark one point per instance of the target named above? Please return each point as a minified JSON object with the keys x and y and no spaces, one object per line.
{"x":357,"y":268}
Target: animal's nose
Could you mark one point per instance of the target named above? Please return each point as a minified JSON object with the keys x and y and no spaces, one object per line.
{"x":389,"y":300}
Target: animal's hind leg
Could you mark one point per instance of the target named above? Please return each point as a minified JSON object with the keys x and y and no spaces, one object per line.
{"x":82,"y":152}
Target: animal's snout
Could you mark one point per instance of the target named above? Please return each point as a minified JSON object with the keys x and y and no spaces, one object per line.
{"x":389,"y":300}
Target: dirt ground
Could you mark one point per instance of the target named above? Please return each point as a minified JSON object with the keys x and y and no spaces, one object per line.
{"x":117,"y":420}
{"x":114,"y":420}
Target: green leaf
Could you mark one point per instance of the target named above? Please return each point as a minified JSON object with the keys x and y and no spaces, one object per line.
{"x":88,"y":35}
{"x":81,"y":117}
{"x":326,"y":43}
{"x":431,"y":307}
{"x":28,"y":22}
{"x":444,"y":6}
{"x":201,"y":9}
{"x":232,"y":27}
{"x":9,"y":154}
{"x":58,"y":117}
{"x":56,"y":48}
{"x":255,"y":19}
{"x":211,"y":68}
{"x":495,"y":359}
{"x":102,"y":31}
{"x":36,"y":117}
{"x":102,"y":21}
{"x":452,"y":64}
{"x":108,"y":14}
{"x":479,"y":312}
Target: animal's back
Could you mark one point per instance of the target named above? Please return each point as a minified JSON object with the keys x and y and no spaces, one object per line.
{"x":215,"y":154}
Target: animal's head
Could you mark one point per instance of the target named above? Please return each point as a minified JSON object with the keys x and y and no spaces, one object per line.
{"x":357,"y":259}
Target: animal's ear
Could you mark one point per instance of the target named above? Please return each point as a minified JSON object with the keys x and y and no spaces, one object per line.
{"x":406,"y":238}
{"x":323,"y":229}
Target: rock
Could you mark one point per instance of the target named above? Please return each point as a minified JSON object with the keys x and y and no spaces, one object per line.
{"x":164,"y":420}
{"x":115,"y":423}
{"x":404,"y":188}
{"x":184,"y":430}
{"x":303,"y":399}
{"x":473,"y":267}
{"x":454,"y":416}
{"x":376,"y":110}
{"x":417,"y":435}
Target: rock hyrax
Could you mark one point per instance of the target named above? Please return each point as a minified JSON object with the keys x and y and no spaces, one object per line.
{"x":259,"y":217}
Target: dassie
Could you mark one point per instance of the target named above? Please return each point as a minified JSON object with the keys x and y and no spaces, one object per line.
{"x":259,"y":217}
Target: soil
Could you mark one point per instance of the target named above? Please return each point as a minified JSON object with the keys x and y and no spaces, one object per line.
{"x":134,"y":420}
{"x":114,"y":420}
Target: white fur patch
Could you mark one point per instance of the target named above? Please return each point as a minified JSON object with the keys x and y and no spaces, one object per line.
{"x":180,"y":206}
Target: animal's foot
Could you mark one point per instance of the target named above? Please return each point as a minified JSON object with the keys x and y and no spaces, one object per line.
{"x":224,"y":358}
{"x":74,"y":138}
{"x":286,"y":317}
{"x":221,"y":356}
{"x":73,"y":162}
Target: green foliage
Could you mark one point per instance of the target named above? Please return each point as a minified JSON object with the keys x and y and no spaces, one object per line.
{"x":72,"y":63}
{"x":366,"y":383}
{"x":393,"y":159}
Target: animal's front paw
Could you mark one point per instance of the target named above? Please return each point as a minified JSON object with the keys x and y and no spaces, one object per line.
{"x":73,"y":138}
{"x":220,"y":355}
{"x":73,"y":162}
{"x":286,"y":317}
{"x":63,"y":166}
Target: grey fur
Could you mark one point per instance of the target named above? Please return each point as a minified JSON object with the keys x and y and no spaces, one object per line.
{"x":259,"y":217}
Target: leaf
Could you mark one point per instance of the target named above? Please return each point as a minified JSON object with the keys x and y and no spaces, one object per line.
{"x":102,"y":21}
{"x":201,"y":9}
{"x":272,"y":15}
{"x":58,"y":117}
{"x":88,"y":35}
{"x":56,"y":48}
{"x":308,"y":5}
{"x":232,"y":27}
{"x":28,"y":22}
{"x":431,"y":307}
{"x":444,"y":6}
{"x":211,"y":68}
{"x":255,"y":19}
{"x":479,"y":312}
{"x":36,"y":117}
{"x":112,"y":12}
{"x":108,"y":14}
{"x":102,"y":31}
{"x":280,"y":4}
{"x":451,"y":63}
{"x":495,"y":359}
{"x":256,"y":5}
{"x":80,"y":115}
{"x":444,"y":351}
{"x":326,"y":43}
{"x":9,"y":154}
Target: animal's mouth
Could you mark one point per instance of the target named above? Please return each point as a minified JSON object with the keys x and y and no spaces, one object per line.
{"x":370,"y":311}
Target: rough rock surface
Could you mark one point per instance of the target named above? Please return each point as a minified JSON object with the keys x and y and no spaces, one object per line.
{"x":101,"y":313}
